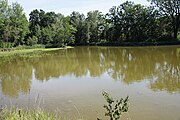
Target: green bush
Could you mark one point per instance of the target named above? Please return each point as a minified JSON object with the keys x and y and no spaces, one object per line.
{"x":32,"y":40}
{"x":114,"y":109}
{"x":6,"y":45}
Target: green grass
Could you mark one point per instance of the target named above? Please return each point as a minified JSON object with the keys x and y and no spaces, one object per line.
{"x":24,"y":51}
{"x":22,"y":114}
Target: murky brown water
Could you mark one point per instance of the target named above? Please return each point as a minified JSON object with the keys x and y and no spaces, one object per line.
{"x":71,"y":81}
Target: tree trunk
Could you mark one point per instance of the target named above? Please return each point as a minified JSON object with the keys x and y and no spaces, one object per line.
{"x":175,"y":33}
{"x":175,"y":25}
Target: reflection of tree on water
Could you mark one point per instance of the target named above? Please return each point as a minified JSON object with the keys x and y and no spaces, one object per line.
{"x":15,"y":77}
{"x":167,"y":73}
{"x":167,"y":77}
{"x":75,"y":62}
{"x":126,"y":64}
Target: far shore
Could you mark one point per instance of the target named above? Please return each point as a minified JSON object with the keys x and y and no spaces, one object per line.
{"x":131,"y":44}
{"x":14,"y":51}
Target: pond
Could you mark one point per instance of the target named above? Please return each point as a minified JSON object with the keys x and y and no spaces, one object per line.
{"x":70,"y":82}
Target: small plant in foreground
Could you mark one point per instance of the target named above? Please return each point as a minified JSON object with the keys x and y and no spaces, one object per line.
{"x":114,"y":109}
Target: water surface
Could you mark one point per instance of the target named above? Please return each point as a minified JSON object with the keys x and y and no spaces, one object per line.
{"x":70,"y":82}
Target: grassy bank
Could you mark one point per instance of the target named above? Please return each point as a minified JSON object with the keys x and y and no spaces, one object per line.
{"x":22,"y":114}
{"x":24,"y":51}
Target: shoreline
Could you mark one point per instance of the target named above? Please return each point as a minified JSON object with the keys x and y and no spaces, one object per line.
{"x":131,"y":44}
{"x":14,"y":51}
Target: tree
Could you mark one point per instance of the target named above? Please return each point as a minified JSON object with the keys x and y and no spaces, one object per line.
{"x":19,"y":24}
{"x":32,"y":40}
{"x":170,"y":8}
{"x":34,"y":20}
{"x":132,"y":22}
{"x":114,"y":18}
{"x":38,"y":34}
{"x":95,"y":20}
{"x":41,"y":18}
{"x":47,"y":19}
{"x":78,"y":21}
{"x":69,"y":30}
{"x":63,"y":31}
{"x":47,"y":35}
{"x":4,"y":21}
{"x":41,"y":26}
{"x":13,"y":23}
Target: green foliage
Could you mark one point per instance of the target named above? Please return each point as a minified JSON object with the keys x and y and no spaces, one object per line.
{"x":21,"y":114}
{"x":32,"y":40}
{"x":19,"y":24}
{"x":131,"y":22}
{"x":52,"y":30}
{"x":95,"y":21}
{"x":78,"y":21}
{"x":6,"y":45}
{"x":114,"y":109}
{"x":178,"y":37}
{"x":127,"y":22}
{"x":13,"y":23}
{"x":171,"y":9}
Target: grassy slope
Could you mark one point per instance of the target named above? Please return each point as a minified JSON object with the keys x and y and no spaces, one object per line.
{"x":14,"y":52}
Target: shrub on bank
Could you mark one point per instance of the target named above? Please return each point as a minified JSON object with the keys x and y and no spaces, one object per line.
{"x":6,"y":45}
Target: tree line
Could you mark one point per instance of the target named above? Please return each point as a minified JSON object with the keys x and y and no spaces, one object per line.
{"x":127,"y":22}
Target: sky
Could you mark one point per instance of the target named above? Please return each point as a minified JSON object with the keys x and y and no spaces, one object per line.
{"x":66,"y":7}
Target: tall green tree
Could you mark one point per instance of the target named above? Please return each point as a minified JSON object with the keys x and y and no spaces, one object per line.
{"x":34,"y":20}
{"x":171,"y":8}
{"x":41,"y":18}
{"x":114,"y":18}
{"x":95,"y":21}
{"x":47,"y":19}
{"x":63,"y":31}
{"x":132,"y":22}
{"x":13,"y":23}
{"x":4,"y":21}
{"x":19,"y":24}
{"x":41,"y":25}
{"x":78,"y":21}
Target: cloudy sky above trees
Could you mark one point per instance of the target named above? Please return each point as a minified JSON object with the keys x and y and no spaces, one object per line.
{"x":67,"y":6}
